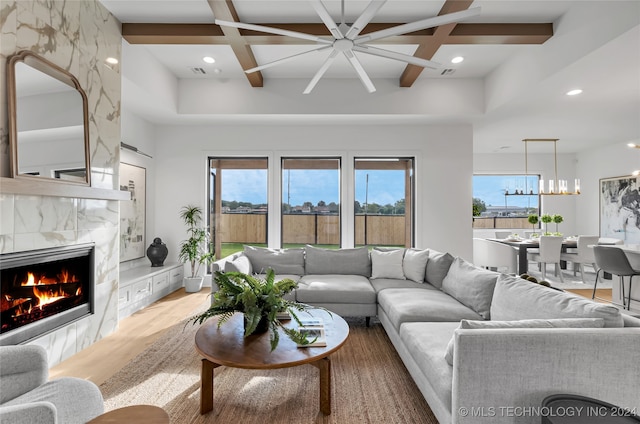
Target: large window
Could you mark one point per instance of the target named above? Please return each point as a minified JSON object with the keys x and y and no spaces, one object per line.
{"x":505,"y":201}
{"x":311,"y":202}
{"x":238,"y":203}
{"x":383,"y":202}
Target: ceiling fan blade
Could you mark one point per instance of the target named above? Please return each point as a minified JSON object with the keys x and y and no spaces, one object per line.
{"x":283,"y":60}
{"x":364,"y":18}
{"x":327,"y":19}
{"x":271,"y":30}
{"x":397,"y":56}
{"x":321,"y":71}
{"x":362,"y":74}
{"x":418,"y":25}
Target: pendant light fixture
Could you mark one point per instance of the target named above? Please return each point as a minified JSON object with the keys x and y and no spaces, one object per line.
{"x":556,"y":187}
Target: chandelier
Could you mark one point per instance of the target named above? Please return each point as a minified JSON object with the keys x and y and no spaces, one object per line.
{"x":556,"y":187}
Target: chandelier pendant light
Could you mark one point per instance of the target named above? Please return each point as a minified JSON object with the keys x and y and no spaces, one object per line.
{"x":556,"y":186}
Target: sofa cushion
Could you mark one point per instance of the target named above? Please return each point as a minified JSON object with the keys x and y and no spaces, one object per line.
{"x":515,"y":298}
{"x":414,"y":264}
{"x":413,"y":305}
{"x":387,"y":264}
{"x":282,"y":261}
{"x":341,"y":261}
{"x":470,"y":285}
{"x":427,"y":342}
{"x":390,"y":283}
{"x":335,"y":288}
{"x":239,"y":264}
{"x":437,"y":267}
{"x":524,"y":323}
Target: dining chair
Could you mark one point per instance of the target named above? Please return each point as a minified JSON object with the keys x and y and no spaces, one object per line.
{"x":503,"y":234}
{"x":614,"y":261}
{"x":548,"y":253}
{"x":583,"y":256}
{"x":492,"y":254}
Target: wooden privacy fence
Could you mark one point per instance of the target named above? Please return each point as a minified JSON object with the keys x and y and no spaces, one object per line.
{"x":500,"y":222}
{"x":383,"y":230}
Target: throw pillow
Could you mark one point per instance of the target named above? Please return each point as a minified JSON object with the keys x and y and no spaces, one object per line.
{"x":282,"y":261}
{"x":515,"y":298}
{"x":414,"y":264}
{"x":340,"y":261}
{"x":437,"y":267}
{"x":239,"y":264}
{"x":525,"y":323}
{"x":470,"y":285}
{"x":387,"y":264}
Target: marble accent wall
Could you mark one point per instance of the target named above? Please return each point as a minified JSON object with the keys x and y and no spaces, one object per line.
{"x":78,"y":36}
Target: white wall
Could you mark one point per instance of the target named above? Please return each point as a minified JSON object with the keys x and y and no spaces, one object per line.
{"x":615,"y":160}
{"x":443,"y":170}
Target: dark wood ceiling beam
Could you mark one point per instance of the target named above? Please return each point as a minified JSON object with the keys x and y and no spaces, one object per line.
{"x":173,"y":34}
{"x":140,"y":33}
{"x":427,"y":50}
{"x":225,"y":11}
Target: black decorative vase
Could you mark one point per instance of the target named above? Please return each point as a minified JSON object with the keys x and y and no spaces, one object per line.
{"x":157,"y":252}
{"x":262,"y":327}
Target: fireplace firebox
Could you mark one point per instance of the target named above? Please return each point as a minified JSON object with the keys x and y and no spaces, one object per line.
{"x":42,"y":290}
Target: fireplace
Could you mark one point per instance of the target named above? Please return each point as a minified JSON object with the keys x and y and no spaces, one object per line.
{"x":44,"y":289}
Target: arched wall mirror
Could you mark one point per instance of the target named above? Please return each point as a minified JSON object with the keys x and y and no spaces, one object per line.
{"x":48,"y":121}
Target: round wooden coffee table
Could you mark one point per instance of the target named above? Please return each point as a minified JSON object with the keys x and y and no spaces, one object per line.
{"x":227,"y":346}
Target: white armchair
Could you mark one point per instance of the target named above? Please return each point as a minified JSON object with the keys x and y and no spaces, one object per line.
{"x":27,"y":397}
{"x":492,"y":254}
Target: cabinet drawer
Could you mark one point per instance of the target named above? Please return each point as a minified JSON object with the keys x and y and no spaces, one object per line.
{"x":141,"y":289}
{"x":124,"y":296}
{"x":160,"y":282}
{"x":177,"y":275}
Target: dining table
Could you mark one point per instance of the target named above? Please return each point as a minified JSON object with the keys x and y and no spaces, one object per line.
{"x":525,"y":244}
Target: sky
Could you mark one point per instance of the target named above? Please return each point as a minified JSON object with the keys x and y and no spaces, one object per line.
{"x":384,"y":187}
{"x":490,"y":188}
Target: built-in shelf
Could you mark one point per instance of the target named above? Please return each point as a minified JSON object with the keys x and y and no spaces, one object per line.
{"x":30,"y":187}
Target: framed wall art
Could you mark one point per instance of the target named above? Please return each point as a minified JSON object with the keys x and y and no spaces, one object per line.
{"x":132,"y":212}
{"x":620,"y":208}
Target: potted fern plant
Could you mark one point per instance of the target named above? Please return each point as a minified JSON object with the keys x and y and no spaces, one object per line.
{"x":196,"y":249}
{"x":260,"y":300}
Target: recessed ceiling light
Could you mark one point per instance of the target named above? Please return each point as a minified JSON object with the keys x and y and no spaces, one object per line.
{"x":633,"y":145}
{"x":209,"y":59}
{"x":574,"y":92}
{"x":636,"y":173}
{"x":112,"y":60}
{"x":457,"y":59}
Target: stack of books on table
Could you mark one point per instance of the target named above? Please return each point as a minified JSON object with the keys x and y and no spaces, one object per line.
{"x":313,"y":329}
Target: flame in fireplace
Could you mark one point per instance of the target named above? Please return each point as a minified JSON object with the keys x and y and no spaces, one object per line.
{"x":63,"y":277}
{"x":46,"y":290}
{"x":47,"y":296}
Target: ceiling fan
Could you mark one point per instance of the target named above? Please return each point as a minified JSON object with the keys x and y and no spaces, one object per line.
{"x":346,"y":39}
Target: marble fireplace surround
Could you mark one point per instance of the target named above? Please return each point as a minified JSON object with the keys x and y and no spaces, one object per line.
{"x":77,"y":36}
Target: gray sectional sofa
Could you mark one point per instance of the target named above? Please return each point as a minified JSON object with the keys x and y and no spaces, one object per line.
{"x":482,"y":347}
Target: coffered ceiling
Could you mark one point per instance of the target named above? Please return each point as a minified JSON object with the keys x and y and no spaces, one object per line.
{"x":524,"y":54}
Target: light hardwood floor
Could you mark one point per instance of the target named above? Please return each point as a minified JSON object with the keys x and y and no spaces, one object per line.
{"x":135,"y":333}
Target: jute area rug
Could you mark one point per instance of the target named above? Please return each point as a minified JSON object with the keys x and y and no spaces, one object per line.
{"x":369,"y":385}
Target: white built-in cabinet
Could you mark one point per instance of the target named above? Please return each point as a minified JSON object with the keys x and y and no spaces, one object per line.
{"x":143,"y":285}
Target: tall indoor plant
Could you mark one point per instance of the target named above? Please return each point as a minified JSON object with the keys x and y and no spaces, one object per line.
{"x":196,"y":249}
